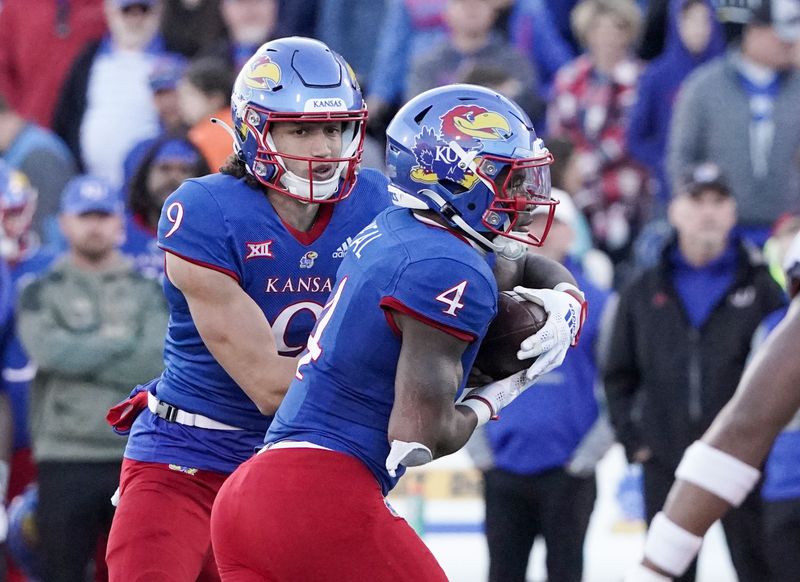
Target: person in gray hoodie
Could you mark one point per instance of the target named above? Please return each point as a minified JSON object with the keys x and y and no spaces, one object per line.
{"x":742,"y":112}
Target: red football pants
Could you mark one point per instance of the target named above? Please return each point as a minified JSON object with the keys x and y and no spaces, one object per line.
{"x":161,"y":529}
{"x":310,"y":515}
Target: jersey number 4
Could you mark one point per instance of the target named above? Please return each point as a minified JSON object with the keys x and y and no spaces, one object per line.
{"x":452,"y":298}
{"x":313,"y":345}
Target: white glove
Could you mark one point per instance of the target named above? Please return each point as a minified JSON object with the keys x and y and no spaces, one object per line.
{"x":407,"y":454}
{"x":487,"y":401}
{"x":566,"y":312}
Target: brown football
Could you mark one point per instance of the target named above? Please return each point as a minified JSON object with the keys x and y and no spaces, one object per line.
{"x":516,"y":320}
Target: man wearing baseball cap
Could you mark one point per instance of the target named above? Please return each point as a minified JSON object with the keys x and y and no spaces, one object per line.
{"x":92,"y":326}
{"x":89,"y":194}
{"x":703,"y":214}
{"x":678,"y":344}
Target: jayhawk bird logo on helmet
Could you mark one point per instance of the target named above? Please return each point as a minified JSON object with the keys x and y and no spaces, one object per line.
{"x":468,"y":125}
{"x":262,"y":73}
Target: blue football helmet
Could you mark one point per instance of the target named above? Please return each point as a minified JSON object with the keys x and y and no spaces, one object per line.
{"x":472,"y":156}
{"x":298,"y":80}
{"x":23,"y":536}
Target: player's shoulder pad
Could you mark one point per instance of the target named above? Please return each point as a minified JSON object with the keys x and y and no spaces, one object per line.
{"x":195,"y":224}
{"x":444,"y":249}
{"x":460,"y":289}
{"x":193,"y":206}
{"x":198,"y":191}
{"x":446,"y":272}
{"x":474,"y":269}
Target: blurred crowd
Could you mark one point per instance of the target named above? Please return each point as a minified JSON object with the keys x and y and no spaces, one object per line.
{"x":675,"y":126}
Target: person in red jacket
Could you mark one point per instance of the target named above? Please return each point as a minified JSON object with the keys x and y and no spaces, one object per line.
{"x":38,"y":43}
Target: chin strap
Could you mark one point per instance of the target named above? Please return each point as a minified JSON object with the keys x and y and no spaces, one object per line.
{"x":446,"y":210}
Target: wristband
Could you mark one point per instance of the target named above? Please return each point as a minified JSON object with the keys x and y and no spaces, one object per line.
{"x":487,"y":401}
{"x":571,"y":289}
{"x":717,"y":472}
{"x":670,"y":547}
{"x":481,"y":408}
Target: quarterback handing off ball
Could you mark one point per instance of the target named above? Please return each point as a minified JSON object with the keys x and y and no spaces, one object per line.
{"x":517,"y":319}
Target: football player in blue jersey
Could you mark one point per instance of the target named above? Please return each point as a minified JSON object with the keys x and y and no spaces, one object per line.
{"x":251,"y":256}
{"x":375,"y":390}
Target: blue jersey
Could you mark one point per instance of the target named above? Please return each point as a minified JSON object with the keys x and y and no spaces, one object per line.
{"x":344,"y":393}
{"x":221,"y":223}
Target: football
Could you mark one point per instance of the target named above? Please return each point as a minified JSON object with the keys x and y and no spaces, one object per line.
{"x":516,"y":320}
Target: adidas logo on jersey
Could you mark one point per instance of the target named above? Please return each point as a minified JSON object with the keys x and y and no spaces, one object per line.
{"x":342,"y":250}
